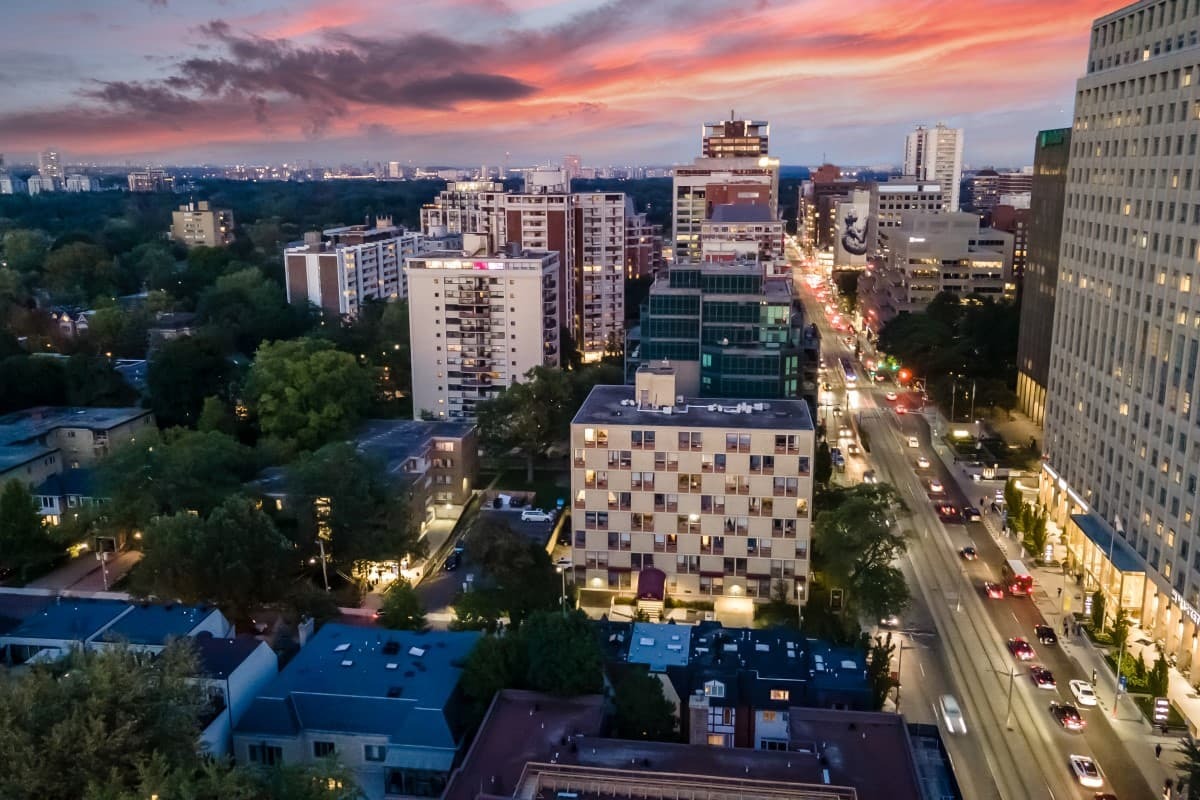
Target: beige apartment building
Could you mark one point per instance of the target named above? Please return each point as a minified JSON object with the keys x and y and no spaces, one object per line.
{"x":198,"y":224}
{"x":697,"y":498}
{"x":479,"y":322}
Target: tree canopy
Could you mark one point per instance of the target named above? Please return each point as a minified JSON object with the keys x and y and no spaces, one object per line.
{"x":856,"y":541}
{"x":520,"y":580}
{"x":26,"y":545}
{"x":402,"y":609}
{"x":529,"y":417}
{"x":182,"y":373}
{"x":643,"y":711}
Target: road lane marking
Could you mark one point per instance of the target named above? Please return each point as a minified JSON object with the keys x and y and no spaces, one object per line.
{"x":922,"y":667}
{"x":1014,"y":616}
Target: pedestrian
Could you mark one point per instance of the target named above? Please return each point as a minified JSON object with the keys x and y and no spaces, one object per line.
{"x":1157,"y":750}
{"x":1064,"y":627}
{"x":1060,"y":591}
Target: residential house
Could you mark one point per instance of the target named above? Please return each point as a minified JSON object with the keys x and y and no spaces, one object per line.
{"x":233,"y":671}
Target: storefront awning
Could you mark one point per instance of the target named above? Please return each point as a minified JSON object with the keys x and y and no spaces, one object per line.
{"x":1122,"y":555}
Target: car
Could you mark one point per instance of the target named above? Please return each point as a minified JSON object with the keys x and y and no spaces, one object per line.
{"x":1021,"y":649}
{"x":870,"y":477}
{"x":890,"y":621}
{"x":1085,"y":695}
{"x":1045,"y":634}
{"x":845,"y":432}
{"x":952,"y":715}
{"x":853,"y":449}
{"x":453,"y":561}
{"x":971,"y":514}
{"x":902,"y":410}
{"x":835,"y":453}
{"x":837,"y":411}
{"x":536,"y":515}
{"x":935,"y":486}
{"x":968,"y":553}
{"x":1042,"y":677}
{"x":947,"y":513}
{"x":993,"y":590}
{"x":914,"y":441}
{"x":1067,"y":716}
{"x":1086,"y":770}
{"x":890,"y":396}
{"x":922,"y":462}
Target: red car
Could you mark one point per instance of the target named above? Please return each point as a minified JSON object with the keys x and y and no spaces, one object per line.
{"x":1068,"y":716}
{"x":1042,"y":677}
{"x":993,"y":590}
{"x":1021,"y":649}
{"x":947,"y":513}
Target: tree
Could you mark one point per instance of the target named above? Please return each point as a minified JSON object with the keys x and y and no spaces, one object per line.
{"x":31,"y":381}
{"x":306,"y":393}
{"x":643,"y":711}
{"x":25,"y":249}
{"x":401,"y":609}
{"x":216,"y":416}
{"x":495,"y":663}
{"x":564,"y":657}
{"x":879,"y":668}
{"x":235,"y":557}
{"x":855,"y":543}
{"x":1120,"y":630}
{"x":244,"y":308}
{"x":529,"y":417}
{"x":823,"y":466}
{"x":522,"y":577}
{"x":26,"y":545}
{"x":1189,"y":764}
{"x":477,"y":610}
{"x":182,"y":373}
{"x":1098,"y":611}
{"x":79,"y":271}
{"x":1160,"y":677}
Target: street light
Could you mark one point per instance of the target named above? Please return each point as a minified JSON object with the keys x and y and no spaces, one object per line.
{"x":1012,"y":676}
{"x":900,"y":671}
{"x":562,"y":599}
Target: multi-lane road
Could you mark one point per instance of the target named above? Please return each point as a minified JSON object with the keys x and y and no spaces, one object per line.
{"x":954,"y":638}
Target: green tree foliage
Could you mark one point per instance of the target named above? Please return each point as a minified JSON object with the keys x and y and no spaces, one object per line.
{"x":93,"y":381}
{"x":1033,"y":523}
{"x":855,"y":543}
{"x":31,"y":381}
{"x":182,"y":373}
{"x":495,"y":663}
{"x":1013,"y":499}
{"x":564,"y":657}
{"x":351,"y":496}
{"x":1160,"y":676}
{"x":25,"y":249}
{"x":402,"y":609}
{"x":823,"y":464}
{"x":379,"y":336}
{"x":643,"y":711}
{"x":847,"y":286}
{"x":1120,"y":630}
{"x":79,"y":271}
{"x":521,"y":578}
{"x":235,"y":557}
{"x":528,"y":417}
{"x":125,"y":333}
{"x":306,"y":393}
{"x":26,"y":546}
{"x":151,"y":263}
{"x":216,"y":416}
{"x":1188,"y":765}
{"x":879,"y":668}
{"x":1098,"y":610}
{"x":244,"y":308}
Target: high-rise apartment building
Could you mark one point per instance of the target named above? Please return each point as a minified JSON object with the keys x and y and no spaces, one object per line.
{"x":735,"y":138}
{"x":739,"y":232}
{"x":464,"y":207}
{"x":199,"y":224}
{"x":479,"y":322}
{"x":339,"y":269}
{"x":81,"y":183}
{"x":1046,"y":205}
{"x":1015,"y":221}
{"x":690,"y":498}
{"x":935,"y":154}
{"x":572,"y":166}
{"x":643,"y":244}
{"x":151,"y":180}
{"x":1122,"y":465}
{"x":50,"y":165}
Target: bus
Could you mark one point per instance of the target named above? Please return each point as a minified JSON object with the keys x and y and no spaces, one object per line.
{"x":1016,"y":578}
{"x":849,"y":374}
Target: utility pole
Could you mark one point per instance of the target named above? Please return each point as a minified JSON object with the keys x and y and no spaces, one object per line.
{"x":953,"y":399}
{"x":1117,"y":693}
{"x":972,"y":401}
{"x":1012,"y":676}
{"x":324,"y":569}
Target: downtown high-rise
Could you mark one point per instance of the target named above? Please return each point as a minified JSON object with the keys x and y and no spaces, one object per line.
{"x":935,"y":154}
{"x":1122,"y":449}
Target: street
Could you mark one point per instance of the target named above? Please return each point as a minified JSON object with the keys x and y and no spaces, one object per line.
{"x":954,"y":637}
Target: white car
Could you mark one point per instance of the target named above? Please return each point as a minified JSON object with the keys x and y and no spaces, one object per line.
{"x":1086,"y":771}
{"x":913,"y":442}
{"x":845,"y":432}
{"x":891,"y":396}
{"x":922,"y":462}
{"x":1085,"y":695}
{"x":936,"y":487}
{"x":952,"y":715}
{"x":536,"y":515}
{"x":870,"y":477}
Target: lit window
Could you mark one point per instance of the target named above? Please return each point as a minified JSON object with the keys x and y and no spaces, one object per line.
{"x":780,"y":694}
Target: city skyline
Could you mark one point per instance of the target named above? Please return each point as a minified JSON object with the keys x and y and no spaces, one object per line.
{"x":473,"y":80}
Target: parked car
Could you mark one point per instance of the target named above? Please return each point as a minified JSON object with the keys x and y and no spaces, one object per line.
{"x":1085,"y":695}
{"x":1045,"y":634}
{"x":536,"y":515}
{"x":453,"y":561}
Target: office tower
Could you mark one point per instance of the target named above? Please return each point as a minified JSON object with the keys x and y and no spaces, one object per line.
{"x":891,"y":200}
{"x":735,"y":170}
{"x":49,"y":165}
{"x":480,"y":320}
{"x":339,"y":269}
{"x":681,"y":497}
{"x":199,"y":224}
{"x":572,"y":166}
{"x":932,"y":253}
{"x":741,"y":232}
{"x":980,"y":191}
{"x":151,"y":180}
{"x":935,"y":154}
{"x":1047,"y":201}
{"x":1122,"y":446}
{"x":395,"y":170}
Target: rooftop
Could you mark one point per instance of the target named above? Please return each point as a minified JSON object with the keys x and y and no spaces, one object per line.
{"x":659,"y":646}
{"x":70,"y":619}
{"x":23,"y":427}
{"x":219,"y":656}
{"x":153,"y":624}
{"x":745,"y":212}
{"x":79,"y":482}
{"x":14,"y":455}
{"x":16,"y":608}
{"x":615,"y":405}
{"x":358,"y":680}
{"x":395,"y":441}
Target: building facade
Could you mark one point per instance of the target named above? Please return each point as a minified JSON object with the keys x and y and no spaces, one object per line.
{"x":1122,"y":445}
{"x":198,"y":224}
{"x":735,"y":138}
{"x":151,"y":180}
{"x":1047,"y":201}
{"x":643,"y":244}
{"x":738,"y":232}
{"x":709,"y":182}
{"x":935,"y":154}
{"x":891,"y":200}
{"x":479,"y":322}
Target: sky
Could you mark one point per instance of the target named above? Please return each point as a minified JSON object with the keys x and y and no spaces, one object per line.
{"x":470,"y":82}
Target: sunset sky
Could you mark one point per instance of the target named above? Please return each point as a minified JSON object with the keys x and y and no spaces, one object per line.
{"x":461,"y":82}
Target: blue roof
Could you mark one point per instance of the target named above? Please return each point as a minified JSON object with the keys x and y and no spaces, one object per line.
{"x":31,"y":423}
{"x":155,"y":624}
{"x":1123,"y":556}
{"x":78,"y":482}
{"x":660,"y":645}
{"x":70,"y":619}
{"x":366,"y":681}
{"x":15,"y":455}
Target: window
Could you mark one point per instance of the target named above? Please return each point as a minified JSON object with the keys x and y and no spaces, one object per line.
{"x":374,"y":752}
{"x":714,"y":689}
{"x":768,"y":716}
{"x":265,"y":754}
{"x":322,"y":749}
{"x":780,"y":694}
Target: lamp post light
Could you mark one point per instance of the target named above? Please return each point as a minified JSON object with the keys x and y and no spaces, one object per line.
{"x":562,"y":599}
{"x":1012,"y":676}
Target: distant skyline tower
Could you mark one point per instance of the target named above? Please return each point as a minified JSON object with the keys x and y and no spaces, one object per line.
{"x":572,"y":165}
{"x":735,"y":138}
{"x":935,"y":154}
{"x":49,"y":165}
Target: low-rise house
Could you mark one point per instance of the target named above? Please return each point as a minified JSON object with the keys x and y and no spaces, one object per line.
{"x":65,"y":493}
{"x":45,"y":440}
{"x":233,"y":671}
{"x":386,"y":703}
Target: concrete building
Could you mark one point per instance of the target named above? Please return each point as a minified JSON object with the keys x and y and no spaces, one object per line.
{"x":735,"y":138}
{"x":81,"y":183}
{"x":385,"y":702}
{"x":11,"y":184}
{"x":933,"y":253}
{"x":643,"y":244}
{"x":891,"y":200}
{"x":339,"y":269}
{"x":479,"y":322}
{"x":699,"y":498}
{"x":1046,"y":206}
{"x":730,"y":330}
{"x":198,"y":224}
{"x":65,"y":493}
{"x":740,"y":232}
{"x":1016,"y":222}
{"x":151,"y":180}
{"x":935,"y":154}
{"x":1122,"y":454}
{"x":232,"y":671}
{"x":42,"y":183}
{"x":50,"y":164}
{"x":464,"y":207}
{"x":572,"y":165}
{"x":46,"y":440}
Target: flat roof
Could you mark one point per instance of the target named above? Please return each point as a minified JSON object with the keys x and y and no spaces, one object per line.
{"x":394,"y":441}
{"x":1123,"y":556}
{"x":660,"y":646}
{"x":744,"y":212}
{"x":149,"y":624}
{"x":610,"y":405}
{"x":24,"y":426}
{"x":74,"y":619}
{"x":16,"y":455}
{"x":220,"y":656}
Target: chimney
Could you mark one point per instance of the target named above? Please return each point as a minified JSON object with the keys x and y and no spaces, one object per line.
{"x":697,"y":719}
{"x":312,"y":238}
